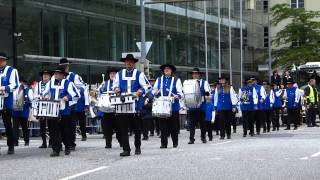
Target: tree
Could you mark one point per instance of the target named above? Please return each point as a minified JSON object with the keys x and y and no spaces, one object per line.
{"x":299,"y":41}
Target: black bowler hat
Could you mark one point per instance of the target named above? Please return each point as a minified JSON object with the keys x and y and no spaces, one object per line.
{"x":265,"y":82}
{"x":3,"y":56}
{"x":196,"y":70}
{"x":60,"y":69}
{"x":45,"y":71}
{"x":172,"y":67}
{"x":290,"y":81}
{"x":129,"y":57}
{"x":64,"y":61}
{"x":112,"y":70}
{"x":224,"y":77}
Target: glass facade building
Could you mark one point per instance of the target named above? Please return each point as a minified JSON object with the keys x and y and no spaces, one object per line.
{"x":96,"y":32}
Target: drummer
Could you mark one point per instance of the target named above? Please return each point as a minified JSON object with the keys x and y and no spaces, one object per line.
{"x":197,"y":115}
{"x":40,"y":86}
{"x":109,"y":123}
{"x":163,"y":85}
{"x":131,"y":81}
{"x":59,"y":89}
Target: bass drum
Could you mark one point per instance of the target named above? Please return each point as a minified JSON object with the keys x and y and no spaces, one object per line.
{"x":192,"y":93}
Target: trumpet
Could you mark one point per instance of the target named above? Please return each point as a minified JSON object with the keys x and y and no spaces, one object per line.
{"x":245,"y":98}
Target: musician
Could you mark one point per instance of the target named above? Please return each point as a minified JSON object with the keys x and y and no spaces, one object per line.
{"x":77,"y":113}
{"x":39,"y":88}
{"x":215,"y":125}
{"x":9,"y":82}
{"x":312,"y":98}
{"x":209,"y":119}
{"x":197,"y":115}
{"x":146,"y":113}
{"x":61,"y":89}
{"x":109,"y":122}
{"x":261,"y":98}
{"x":128,"y":81}
{"x":277,"y":105}
{"x":225,"y":101}
{"x":292,"y":95}
{"x":266,"y":107}
{"x":248,"y":101}
{"x":169,"y":86}
{"x":22,"y":102}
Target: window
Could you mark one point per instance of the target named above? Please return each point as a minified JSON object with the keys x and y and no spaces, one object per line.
{"x":266,"y":37}
{"x":265,"y":5}
{"x":297,"y":3}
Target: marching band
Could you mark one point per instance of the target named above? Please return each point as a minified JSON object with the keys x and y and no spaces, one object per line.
{"x":127,"y":101}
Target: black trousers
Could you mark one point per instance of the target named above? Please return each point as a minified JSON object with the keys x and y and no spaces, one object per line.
{"x":43,"y":130}
{"x":248,"y":122}
{"x":126,"y":120}
{"x":208,"y":126}
{"x":276,"y":118}
{"x":266,"y":120}
{"x":6,"y":116}
{"x":109,"y":126}
{"x":169,"y":127}
{"x":197,"y":116}
{"x":234,"y":121}
{"x":61,"y":132}
{"x":258,"y":117}
{"x":81,"y":117}
{"x":147,"y":122}
{"x":225,"y":118}
{"x":293,"y":117}
{"x":23,"y":122}
{"x":311,"y":116}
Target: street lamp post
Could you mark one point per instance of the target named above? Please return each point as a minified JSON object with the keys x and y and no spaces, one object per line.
{"x":143,"y":32}
{"x":230,"y":43}
{"x":206,"y":37}
{"x":241,"y":43}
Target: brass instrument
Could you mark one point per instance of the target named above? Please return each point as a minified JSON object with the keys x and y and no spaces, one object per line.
{"x":245,"y":98}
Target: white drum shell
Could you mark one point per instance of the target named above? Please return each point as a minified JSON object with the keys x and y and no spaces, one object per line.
{"x":125,"y":104}
{"x":44,"y":108}
{"x":162,"y":107}
{"x":104,"y":104}
{"x":192,"y":93}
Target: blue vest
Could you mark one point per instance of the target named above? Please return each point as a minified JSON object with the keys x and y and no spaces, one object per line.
{"x":250,"y":106}
{"x":63,"y":92}
{"x":80,"y":106}
{"x":166,"y":86}
{"x":291,"y":94}
{"x":266,"y":104}
{"x":224,"y":101}
{"x":8,"y":101}
{"x":209,"y":107}
{"x":26,"y":106}
{"x":135,"y":86}
{"x":71,"y":76}
{"x":277,"y":100}
{"x":258,"y":90}
{"x":105,"y":87}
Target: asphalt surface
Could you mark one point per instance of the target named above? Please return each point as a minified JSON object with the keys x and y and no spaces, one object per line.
{"x":277,"y":155}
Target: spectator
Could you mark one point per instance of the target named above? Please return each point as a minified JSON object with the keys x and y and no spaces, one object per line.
{"x":286,"y":76}
{"x":275,"y":78}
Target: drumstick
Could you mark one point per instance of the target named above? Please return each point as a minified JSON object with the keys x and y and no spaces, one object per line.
{"x":102,"y":77}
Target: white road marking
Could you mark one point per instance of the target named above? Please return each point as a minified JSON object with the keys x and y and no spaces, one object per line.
{"x":85,"y":172}
{"x":316,"y":154}
{"x":221,"y":143}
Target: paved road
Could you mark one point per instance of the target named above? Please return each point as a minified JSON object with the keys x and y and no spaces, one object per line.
{"x":278,"y":155}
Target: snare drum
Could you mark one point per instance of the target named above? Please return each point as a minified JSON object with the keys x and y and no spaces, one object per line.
{"x":162,"y":107}
{"x":46,"y":108}
{"x":2,"y":102}
{"x":192,"y":93}
{"x":104,"y":104}
{"x":124,"y":104}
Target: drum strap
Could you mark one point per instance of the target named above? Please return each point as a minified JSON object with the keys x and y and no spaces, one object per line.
{"x":171,"y":86}
{"x":129,"y":79}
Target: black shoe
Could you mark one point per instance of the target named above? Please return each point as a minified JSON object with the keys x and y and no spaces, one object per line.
{"x":26,"y":144}
{"x":204,"y":141}
{"x":316,"y":125}
{"x":234,"y":131}
{"x":222,"y":138}
{"x":50,"y":146}
{"x":251,"y":134}
{"x":217,"y":133}
{"x":273,"y":129}
{"x":210,"y":139}
{"x":244,"y":135}
{"x":108,"y":146}
{"x":84,"y":139}
{"x":11,"y":150}
{"x":43,"y":146}
{"x":309,"y":126}
{"x":72,"y":148}
{"x":145,"y":138}
{"x":138,"y":151}
{"x":163,"y":147}
{"x":287,"y":129}
{"x":54,"y":154}
{"x":295,"y":128}
{"x":125,"y":153}
{"x":228,"y":137}
{"x":16,"y":144}
{"x":264,"y":131}
{"x":191,"y":142}
{"x":258,"y":133}
{"x":67,"y":152}
{"x":277,"y":128}
{"x":175,"y":145}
